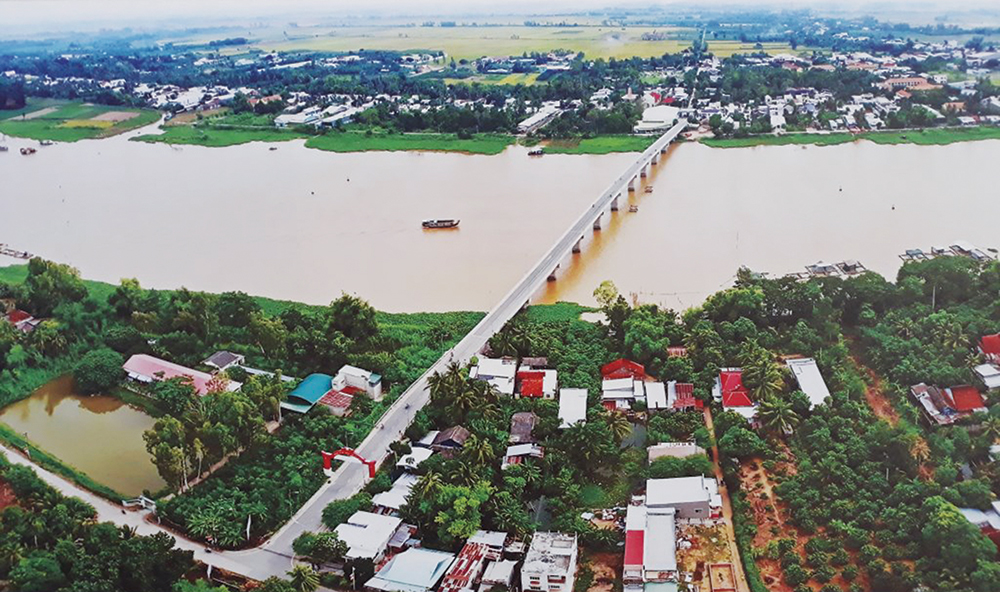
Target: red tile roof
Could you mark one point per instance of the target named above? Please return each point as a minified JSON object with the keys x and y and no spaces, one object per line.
{"x":685,"y":397}
{"x":157,"y":369}
{"x":734,"y":394}
{"x":338,"y":399}
{"x":634,"y":540}
{"x":532,"y":387}
{"x":966,"y":398}
{"x":17,"y":316}
{"x":622,"y":368}
{"x":990,"y":344}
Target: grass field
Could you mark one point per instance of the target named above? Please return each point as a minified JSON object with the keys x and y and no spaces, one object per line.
{"x":357,"y":142}
{"x":600,"y":145}
{"x":217,"y":137}
{"x":527,"y":79}
{"x":71,"y":121}
{"x":928,"y":137}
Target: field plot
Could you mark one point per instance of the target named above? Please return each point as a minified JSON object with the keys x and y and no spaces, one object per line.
{"x":473,"y":42}
{"x":497,"y":79}
{"x":71,"y":121}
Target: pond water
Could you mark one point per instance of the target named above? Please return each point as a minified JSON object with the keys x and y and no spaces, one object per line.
{"x":98,"y":434}
{"x":302,"y":224}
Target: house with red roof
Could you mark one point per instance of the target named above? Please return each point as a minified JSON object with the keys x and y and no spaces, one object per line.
{"x":989,"y":345}
{"x":537,"y":383}
{"x":680,"y":397}
{"x":147,"y":369}
{"x":734,"y":396}
{"x":622,"y":368}
{"x":22,"y":321}
{"x":946,"y":406}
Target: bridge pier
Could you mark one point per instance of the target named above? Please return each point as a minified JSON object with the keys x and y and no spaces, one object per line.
{"x":614,"y":203}
{"x":631,"y":184}
{"x":656,"y":158}
{"x":597,"y":223}
{"x":642,"y":171}
{"x":552,"y":276}
{"x":576,"y":245}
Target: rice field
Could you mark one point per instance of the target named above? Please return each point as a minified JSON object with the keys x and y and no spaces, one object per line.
{"x":527,"y":79}
{"x":64,"y":121}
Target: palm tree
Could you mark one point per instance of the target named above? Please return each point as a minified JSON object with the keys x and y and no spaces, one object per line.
{"x":991,"y":428}
{"x":777,"y":416}
{"x":920,"y":451}
{"x":478,"y":450}
{"x":428,"y":485}
{"x":303,"y":578}
{"x":905,"y":327}
{"x":199,"y":451}
{"x":620,"y":426}
{"x":764,"y":378}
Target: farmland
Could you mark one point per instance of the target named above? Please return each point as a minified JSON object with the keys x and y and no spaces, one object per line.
{"x":72,"y":121}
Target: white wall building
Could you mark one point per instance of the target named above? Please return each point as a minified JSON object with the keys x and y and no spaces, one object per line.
{"x":550,"y":565}
{"x":367,"y":534}
{"x":572,"y":406}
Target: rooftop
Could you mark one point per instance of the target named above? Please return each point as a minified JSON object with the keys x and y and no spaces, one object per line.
{"x":414,"y":570}
{"x":366,"y":534}
{"x":550,"y":553}
{"x":679,"y":490}
{"x":572,"y":406}
{"x":810,"y":380}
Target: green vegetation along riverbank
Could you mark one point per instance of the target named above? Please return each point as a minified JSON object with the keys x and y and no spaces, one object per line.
{"x":600,"y":145}
{"x":70,"y":121}
{"x":217,"y":137}
{"x":926,"y":137}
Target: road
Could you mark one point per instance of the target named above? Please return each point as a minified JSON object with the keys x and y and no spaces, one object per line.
{"x":727,"y":511}
{"x":274,"y":557}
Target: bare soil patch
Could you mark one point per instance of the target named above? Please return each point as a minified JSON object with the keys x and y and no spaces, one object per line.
{"x":115,"y":116}
{"x":40,"y":113}
{"x":7,"y":497}
{"x":606,"y":567}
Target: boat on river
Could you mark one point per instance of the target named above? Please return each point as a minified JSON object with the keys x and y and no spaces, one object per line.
{"x":46,"y":142}
{"x":442,"y":223}
{"x":4,"y":149}
{"x":27,"y":151}
{"x":536,"y":151}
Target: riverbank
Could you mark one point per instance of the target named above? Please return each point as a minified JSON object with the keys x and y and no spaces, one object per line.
{"x":71,"y":121}
{"x":925,"y":137}
{"x":600,"y":145}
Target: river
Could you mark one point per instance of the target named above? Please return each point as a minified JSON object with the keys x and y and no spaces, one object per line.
{"x":305,"y":225}
{"x":98,"y":434}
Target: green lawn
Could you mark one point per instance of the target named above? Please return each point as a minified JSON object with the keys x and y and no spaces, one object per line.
{"x":927,"y":137}
{"x":217,"y":137}
{"x":70,"y":121}
{"x":600,"y":145}
{"x":357,"y":142}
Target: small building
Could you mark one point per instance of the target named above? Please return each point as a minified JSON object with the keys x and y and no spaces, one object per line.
{"x":656,"y":396}
{"x":467,"y":571}
{"x":550,"y":564}
{"x":619,"y":393}
{"x":694,"y":498}
{"x":221,"y":360}
{"x":518,"y":453}
{"x":537,"y":383}
{"x":650,"y":546}
{"x":680,"y":397}
{"x":22,"y":321}
{"x":367,"y":535}
{"x":352,"y":379}
{"x":522,"y":425}
{"x":987,"y":521}
{"x":499,"y":372}
{"x":417,"y":455}
{"x":734,"y":396}
{"x":989,"y":374}
{"x":989,"y":346}
{"x":498,"y":573}
{"x":673,"y":450}
{"x":572,"y":407}
{"x":414,"y":570}
{"x":450,"y":439}
{"x":810,"y":380}
{"x":147,"y":369}
{"x":946,"y":406}
{"x":622,"y":368}
{"x":389,"y":502}
{"x":308,"y":392}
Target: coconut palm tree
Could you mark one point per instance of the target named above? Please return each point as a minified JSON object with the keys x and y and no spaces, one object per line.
{"x":777,"y":416}
{"x":477,"y":450}
{"x":620,"y":426}
{"x":920,"y":451}
{"x":905,"y":327}
{"x":991,"y":428}
{"x":764,"y":378}
{"x":303,"y":578}
{"x":428,"y":485}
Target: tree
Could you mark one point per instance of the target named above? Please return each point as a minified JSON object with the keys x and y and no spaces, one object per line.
{"x":777,"y":416}
{"x":235,"y":309}
{"x":741,"y":443}
{"x":127,"y":298}
{"x":303,"y":578}
{"x":319,"y":548}
{"x":175,"y":394}
{"x":99,"y":370}
{"x":352,"y":317}
{"x":39,"y":572}
{"x":620,"y":426}
{"x":50,"y":284}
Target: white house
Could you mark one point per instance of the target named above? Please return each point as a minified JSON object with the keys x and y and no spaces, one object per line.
{"x":694,"y":498}
{"x":650,"y":546}
{"x":499,"y":372}
{"x":572,"y":407}
{"x":618,"y":393}
{"x":367,"y":535}
{"x":414,"y":570}
{"x":810,"y":380}
{"x":389,"y":502}
{"x":550,"y":564}
{"x":351,"y":377}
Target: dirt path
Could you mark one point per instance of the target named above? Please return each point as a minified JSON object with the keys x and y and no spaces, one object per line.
{"x":875,"y":396}
{"x":727,"y":512}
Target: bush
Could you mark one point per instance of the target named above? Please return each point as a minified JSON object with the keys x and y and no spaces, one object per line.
{"x":337,"y":512}
{"x":98,"y":371}
{"x":669,"y":467}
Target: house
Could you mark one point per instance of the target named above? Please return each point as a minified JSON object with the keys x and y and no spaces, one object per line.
{"x":539,"y":119}
{"x":989,"y":374}
{"x":352,"y":380}
{"x":417,"y":455}
{"x":677,"y":351}
{"x":367,"y":535}
{"x":537,"y":382}
{"x":21,"y":320}
{"x":480,"y":550}
{"x":499,"y":372}
{"x":989,"y":346}
{"x":656,"y":396}
{"x":650,"y":546}
{"x":450,"y":439}
{"x":550,"y":564}
{"x":680,"y":397}
{"x":987,"y":521}
{"x":389,"y":502}
{"x":811,"y":382}
{"x":498,"y":573}
{"x":673,"y":450}
{"x":618,"y":393}
{"x":694,"y":498}
{"x":572,"y":407}
{"x":147,"y":369}
{"x":946,"y":406}
{"x":221,"y":360}
{"x":730,"y":391}
{"x":522,"y":424}
{"x":308,"y":393}
{"x":414,"y":570}
{"x":622,"y":368}
{"x":517,"y":454}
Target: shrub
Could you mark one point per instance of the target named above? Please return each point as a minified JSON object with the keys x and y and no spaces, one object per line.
{"x":98,"y":371}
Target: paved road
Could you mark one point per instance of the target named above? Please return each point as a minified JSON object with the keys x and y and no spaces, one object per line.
{"x":274,"y":557}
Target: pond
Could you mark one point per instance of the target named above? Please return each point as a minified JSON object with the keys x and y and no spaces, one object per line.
{"x":98,"y":435}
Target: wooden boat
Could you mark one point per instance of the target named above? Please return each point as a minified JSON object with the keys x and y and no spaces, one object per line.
{"x":273,"y":148}
{"x":4,"y":149}
{"x":46,"y":142}
{"x":26,"y":151}
{"x":443,"y":223}
{"x":536,"y":151}
{"x":633,"y":209}
{"x":649,"y":189}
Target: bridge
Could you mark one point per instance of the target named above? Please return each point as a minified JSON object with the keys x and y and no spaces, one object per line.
{"x":275,"y":557}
